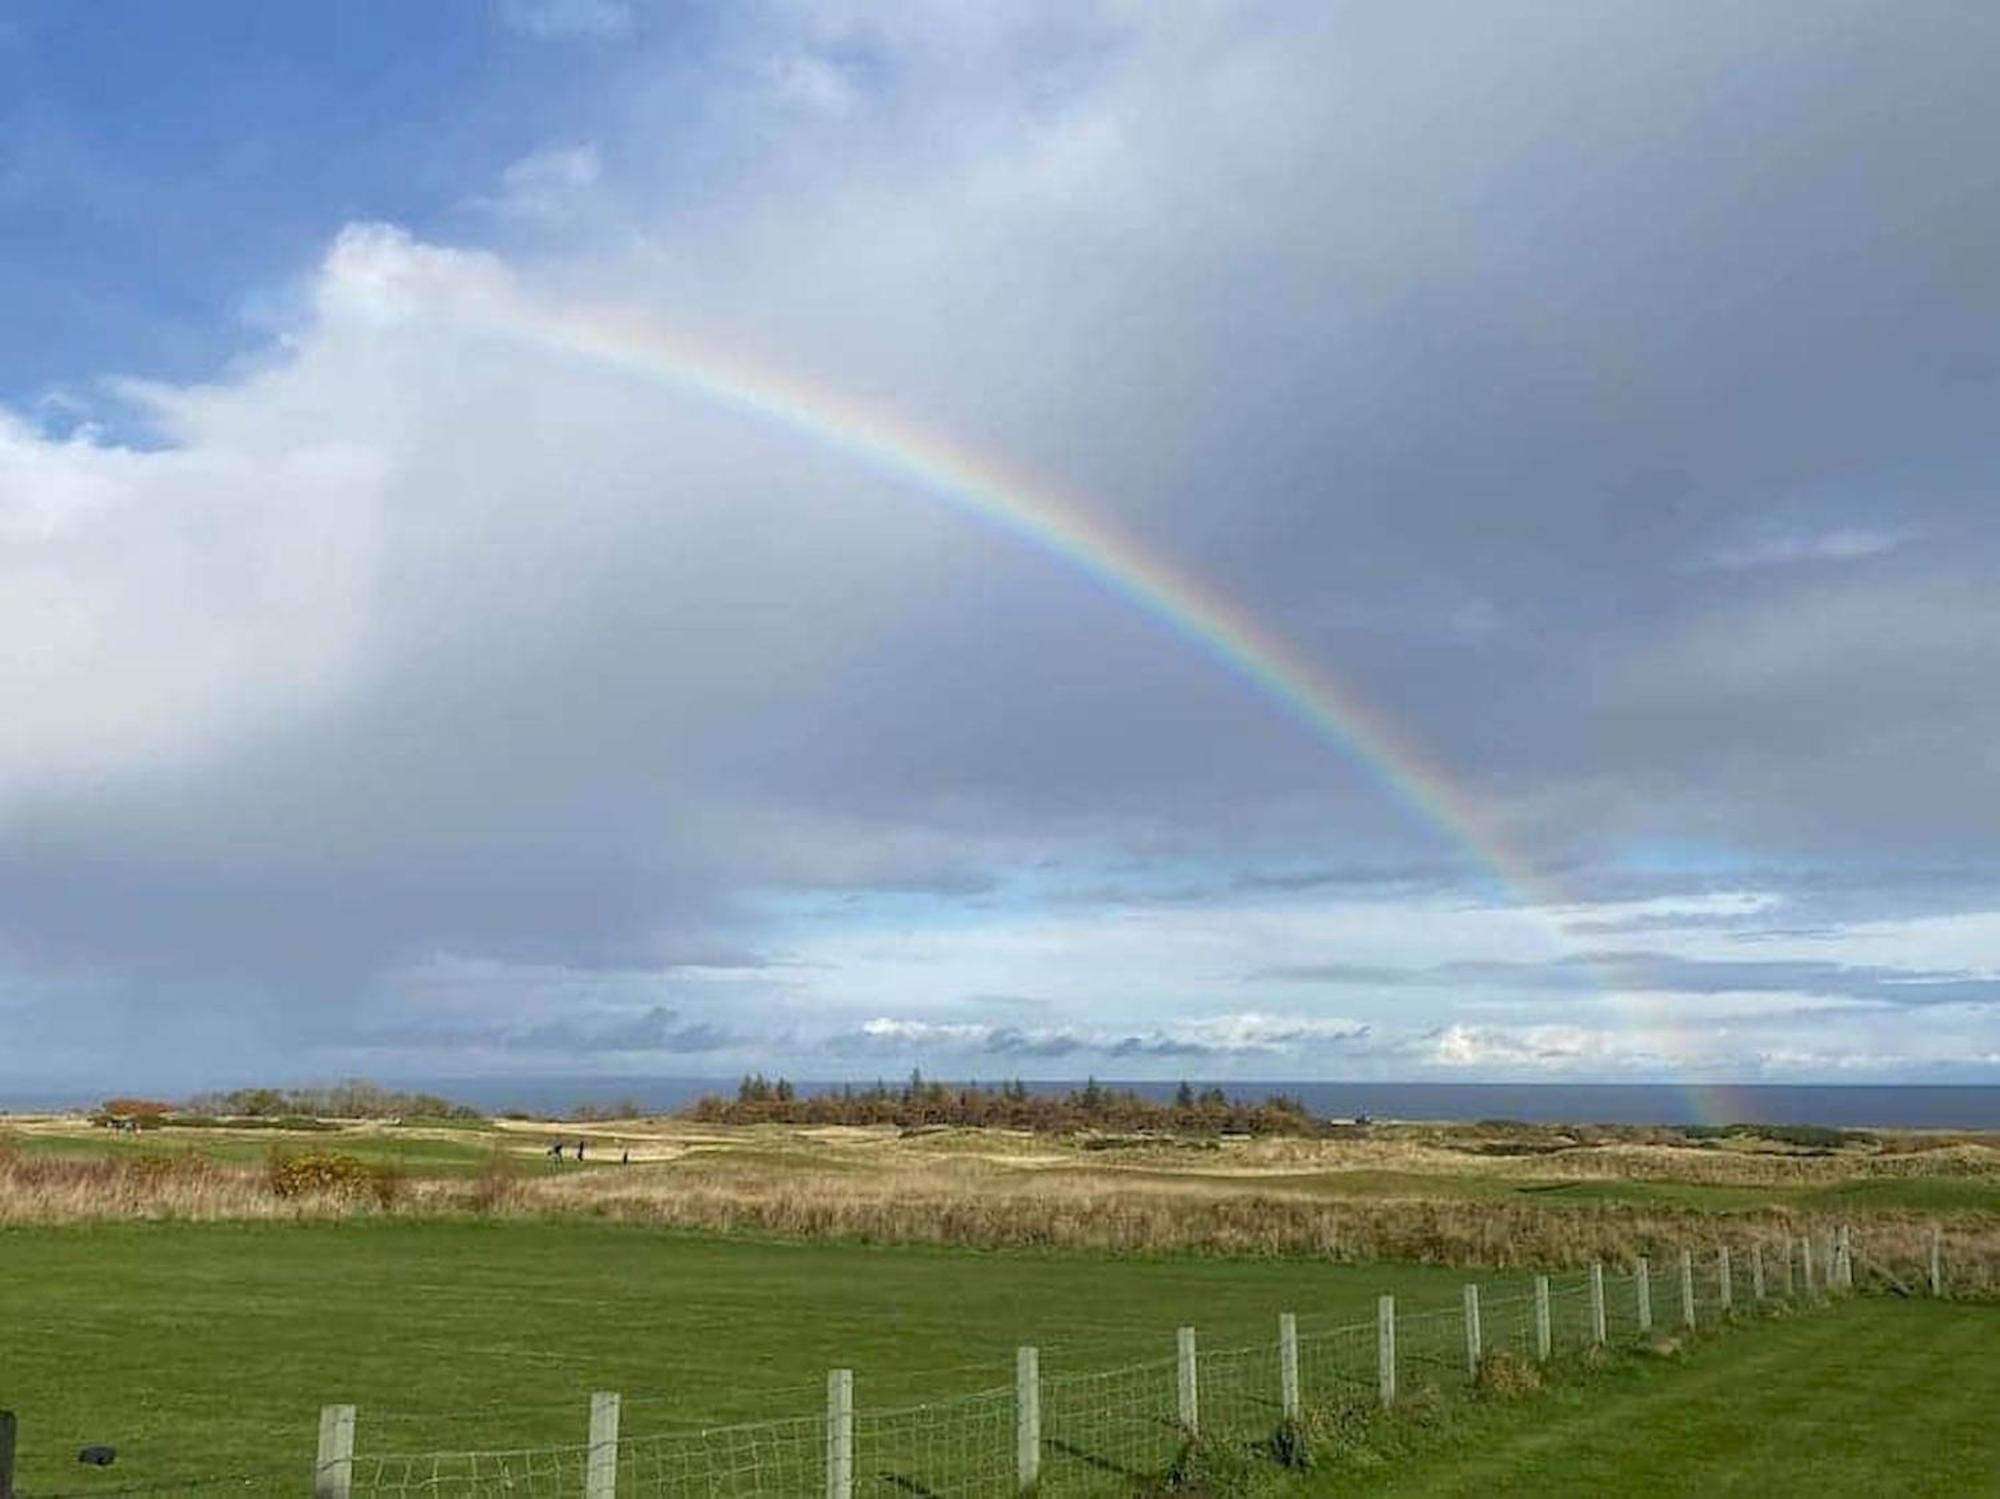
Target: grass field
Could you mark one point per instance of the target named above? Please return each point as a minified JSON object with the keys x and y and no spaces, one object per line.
{"x":1393,"y":1161}
{"x":162,"y":1293}
{"x":1874,"y":1397}
{"x":205,"y":1351}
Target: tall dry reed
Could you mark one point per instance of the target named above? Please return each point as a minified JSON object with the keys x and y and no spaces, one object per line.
{"x":972,"y":1204}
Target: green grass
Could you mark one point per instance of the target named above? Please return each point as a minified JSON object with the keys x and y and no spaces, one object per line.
{"x":207,"y":1349}
{"x":1873,"y":1397}
{"x":201,"y":1349}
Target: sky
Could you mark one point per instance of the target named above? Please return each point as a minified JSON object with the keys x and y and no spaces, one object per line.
{"x":489,"y":583}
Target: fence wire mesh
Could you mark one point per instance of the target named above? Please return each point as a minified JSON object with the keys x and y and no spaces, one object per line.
{"x":764,"y":1457}
{"x":1239,"y":1394}
{"x":1338,"y":1365}
{"x":1106,"y":1432}
{"x":947,"y":1447}
{"x":531,"y":1472}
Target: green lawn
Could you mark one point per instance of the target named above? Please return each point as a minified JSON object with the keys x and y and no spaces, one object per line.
{"x":1872,"y":1397}
{"x":207,"y":1349}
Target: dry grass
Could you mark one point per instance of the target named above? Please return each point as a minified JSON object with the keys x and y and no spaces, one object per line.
{"x":976,"y":1201}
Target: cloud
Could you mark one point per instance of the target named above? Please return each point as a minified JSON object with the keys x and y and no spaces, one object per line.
{"x":1667,"y":973}
{"x":406,"y":635}
{"x":1206,"y":1038}
{"x":658,"y":1029}
{"x":563,"y":1021}
{"x":1007,"y":1041}
{"x":1846,"y":545}
{"x":813,"y":85}
{"x":1538,"y":1048}
{"x":549,"y":185}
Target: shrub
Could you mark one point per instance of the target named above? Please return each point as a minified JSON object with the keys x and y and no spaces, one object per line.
{"x":497,"y":1187}
{"x":136,"y":1108}
{"x":319,"y":1173}
{"x":385,"y":1185}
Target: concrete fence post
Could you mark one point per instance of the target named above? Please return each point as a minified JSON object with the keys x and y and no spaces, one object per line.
{"x":1597,"y":1302}
{"x":1642,"y":1293}
{"x":1757,"y":1272}
{"x":1687,"y":1287}
{"x":1805,"y":1261}
{"x":1937,"y":1260}
{"x":1846,"y":1258}
{"x":9,"y":1429}
{"x":1790,"y":1252}
{"x":1190,"y":1397}
{"x":1543,"y":1342}
{"x":1385,"y":1348}
{"x":333,"y":1472}
{"x":1471,"y":1330}
{"x":1288,"y":1366}
{"x":1829,"y":1267}
{"x":840,"y":1434}
{"x":600,"y":1470}
{"x":1725,"y":1282}
{"x":1027,"y":1418}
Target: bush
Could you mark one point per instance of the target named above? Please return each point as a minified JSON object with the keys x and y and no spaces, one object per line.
{"x":135,"y":1108}
{"x":498,"y":1187}
{"x":385,"y":1185}
{"x":326,"y":1173}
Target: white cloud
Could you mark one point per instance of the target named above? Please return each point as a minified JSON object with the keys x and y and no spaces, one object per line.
{"x":1848,"y":544}
{"x":154,"y":604}
{"x":1539,"y":1048}
{"x":1211,"y":1039}
{"x":549,"y":185}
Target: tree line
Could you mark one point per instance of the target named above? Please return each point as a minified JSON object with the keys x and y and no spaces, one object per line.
{"x":354,"y":1099}
{"x":919,"y":1102}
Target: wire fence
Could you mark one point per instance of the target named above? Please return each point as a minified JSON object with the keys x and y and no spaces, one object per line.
{"x":1065,"y":1431}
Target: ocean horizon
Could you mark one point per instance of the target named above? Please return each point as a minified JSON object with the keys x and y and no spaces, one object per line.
{"x":1844,"y":1106}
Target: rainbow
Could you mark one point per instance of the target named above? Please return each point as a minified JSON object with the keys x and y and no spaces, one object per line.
{"x":1038,"y":513}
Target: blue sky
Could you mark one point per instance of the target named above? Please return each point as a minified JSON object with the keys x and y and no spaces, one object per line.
{"x":169,"y":170}
{"x":1604,"y":394}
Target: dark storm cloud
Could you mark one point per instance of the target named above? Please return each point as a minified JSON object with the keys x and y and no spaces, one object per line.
{"x":1586,"y":972}
{"x":1273,"y":1040}
{"x":1358,"y":879}
{"x":1009,"y":1042}
{"x":658,"y":1029}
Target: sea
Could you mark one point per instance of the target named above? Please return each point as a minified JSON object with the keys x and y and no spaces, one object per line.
{"x":1840,"y":1107}
{"x":1888,"y":1106}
